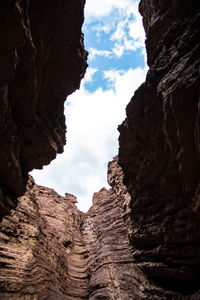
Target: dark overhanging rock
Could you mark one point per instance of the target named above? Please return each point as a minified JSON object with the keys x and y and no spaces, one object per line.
{"x":42,"y":60}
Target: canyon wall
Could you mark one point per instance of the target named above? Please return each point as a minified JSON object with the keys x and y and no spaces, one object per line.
{"x":42,"y":253}
{"x":42,"y":61}
{"x":140,"y":240}
{"x":51,"y":250}
{"x":159,"y":148}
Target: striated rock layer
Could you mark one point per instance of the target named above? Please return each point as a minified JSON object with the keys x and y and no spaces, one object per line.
{"x":42,"y":61}
{"x":113,"y":272}
{"x":50,"y":250}
{"x":159,"y":149}
{"x":42,"y":252}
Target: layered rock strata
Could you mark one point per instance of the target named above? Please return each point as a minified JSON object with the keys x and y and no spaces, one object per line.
{"x":110,"y":259}
{"x":50,"y":250}
{"x":159,"y":148}
{"x":42,"y":61}
{"x":113,"y":272}
{"x":42,"y":251}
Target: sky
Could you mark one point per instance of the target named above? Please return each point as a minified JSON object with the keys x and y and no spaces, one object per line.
{"x":114,"y":38}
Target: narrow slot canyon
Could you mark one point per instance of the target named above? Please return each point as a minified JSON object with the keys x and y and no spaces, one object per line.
{"x":141,"y":237}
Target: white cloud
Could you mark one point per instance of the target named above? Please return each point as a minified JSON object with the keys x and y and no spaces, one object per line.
{"x":98,"y":9}
{"x":121,"y":17}
{"x":95,"y":52}
{"x":92,"y":120}
{"x":99,"y":27}
{"x":95,"y":9}
{"x":89,"y":74}
{"x":129,"y":33}
{"x":118,"y":50}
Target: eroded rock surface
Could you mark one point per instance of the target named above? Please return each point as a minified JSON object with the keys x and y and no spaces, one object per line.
{"x":50,"y":250}
{"x":42,"y":252}
{"x":110,"y":259}
{"x":42,"y":61}
{"x":159,"y":148}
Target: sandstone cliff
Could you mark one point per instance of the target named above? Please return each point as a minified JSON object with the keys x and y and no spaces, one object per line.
{"x":42,"y":253}
{"x":159,"y":148}
{"x":42,"y":61}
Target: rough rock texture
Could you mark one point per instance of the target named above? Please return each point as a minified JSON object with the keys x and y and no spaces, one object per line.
{"x":110,"y":259}
{"x":50,"y":250}
{"x":42,"y":252}
{"x":42,"y":60}
{"x":159,"y":149}
{"x":112,"y":270}
{"x":115,"y":177}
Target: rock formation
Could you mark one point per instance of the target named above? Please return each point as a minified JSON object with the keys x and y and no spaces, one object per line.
{"x":140,"y":240}
{"x":42,"y":254}
{"x":159,"y":148}
{"x":42,"y":61}
{"x":50,"y":250}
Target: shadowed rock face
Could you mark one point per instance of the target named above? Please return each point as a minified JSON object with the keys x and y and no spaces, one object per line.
{"x":42,"y":61}
{"x":159,"y":148}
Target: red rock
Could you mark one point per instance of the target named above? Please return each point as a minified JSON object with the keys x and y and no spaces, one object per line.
{"x":42,"y":253}
{"x":71,"y":198}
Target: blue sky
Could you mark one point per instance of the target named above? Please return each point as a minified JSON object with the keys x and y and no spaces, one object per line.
{"x":114,"y":38}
